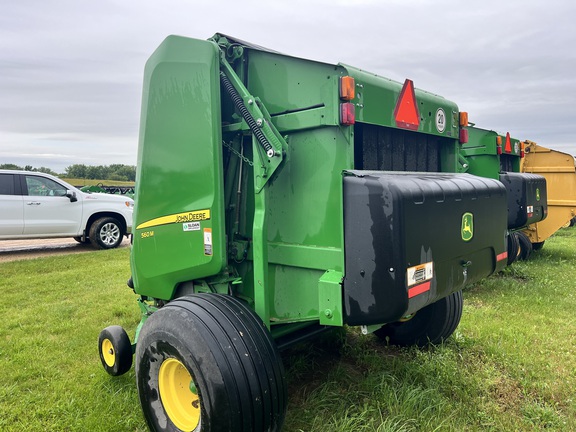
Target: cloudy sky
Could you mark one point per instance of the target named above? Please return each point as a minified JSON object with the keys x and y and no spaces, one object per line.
{"x":71,"y":70}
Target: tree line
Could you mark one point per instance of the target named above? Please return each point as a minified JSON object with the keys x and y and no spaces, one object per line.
{"x":118,"y":172}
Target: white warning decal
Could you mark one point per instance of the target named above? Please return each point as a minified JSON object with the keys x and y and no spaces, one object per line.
{"x":208,"y":241}
{"x":419,"y":273}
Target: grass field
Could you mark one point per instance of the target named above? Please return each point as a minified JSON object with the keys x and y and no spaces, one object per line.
{"x":90,"y":182}
{"x":511,"y":365}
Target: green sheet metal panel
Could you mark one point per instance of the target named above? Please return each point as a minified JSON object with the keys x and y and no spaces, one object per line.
{"x":376,"y":99}
{"x":178,"y":219}
{"x":482,"y":155}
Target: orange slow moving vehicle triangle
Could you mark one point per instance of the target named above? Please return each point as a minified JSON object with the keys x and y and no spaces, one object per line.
{"x":406,"y":112}
{"x":508,"y":146}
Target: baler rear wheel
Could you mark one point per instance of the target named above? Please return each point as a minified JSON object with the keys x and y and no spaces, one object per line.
{"x":430,"y":325}
{"x":115,"y":350}
{"x":513,"y":247}
{"x":207,"y":362}
{"x":525,"y":246}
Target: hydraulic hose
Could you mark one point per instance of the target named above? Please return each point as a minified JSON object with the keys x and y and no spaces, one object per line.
{"x":239,"y":103}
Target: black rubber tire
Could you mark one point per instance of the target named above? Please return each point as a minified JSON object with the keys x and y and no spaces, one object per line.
{"x":537,"y":246}
{"x":513,"y":247}
{"x":230,"y":355}
{"x":430,"y":325}
{"x":115,"y":338}
{"x":525,"y":246}
{"x":106,"y":233}
{"x":572,"y":222}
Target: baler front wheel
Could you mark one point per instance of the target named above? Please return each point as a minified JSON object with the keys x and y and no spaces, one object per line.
{"x":206,"y":362}
{"x":430,"y":325}
{"x":115,"y":350}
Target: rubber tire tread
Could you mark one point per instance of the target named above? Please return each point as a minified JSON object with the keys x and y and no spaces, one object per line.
{"x":251,"y":386}
{"x":432,"y":324}
{"x":122,"y":346}
{"x":525,"y":246}
{"x":537,"y":246}
{"x":513,"y":247}
{"x":95,"y":228}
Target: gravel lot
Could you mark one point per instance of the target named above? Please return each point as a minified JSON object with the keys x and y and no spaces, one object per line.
{"x":13,"y":250}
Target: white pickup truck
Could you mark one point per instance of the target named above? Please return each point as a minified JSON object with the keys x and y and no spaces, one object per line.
{"x":38,"y":205}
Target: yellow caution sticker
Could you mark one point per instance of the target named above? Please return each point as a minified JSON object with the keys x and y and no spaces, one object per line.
{"x":191,"y":216}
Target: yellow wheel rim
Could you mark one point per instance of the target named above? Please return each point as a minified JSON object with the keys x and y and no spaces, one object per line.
{"x":108,"y":352}
{"x":178,"y":394}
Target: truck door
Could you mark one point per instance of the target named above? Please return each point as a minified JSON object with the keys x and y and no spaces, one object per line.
{"x":47,"y":209}
{"x":11,"y":203}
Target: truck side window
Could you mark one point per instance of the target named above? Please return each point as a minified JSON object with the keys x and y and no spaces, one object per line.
{"x":6,"y":184}
{"x":40,"y":186}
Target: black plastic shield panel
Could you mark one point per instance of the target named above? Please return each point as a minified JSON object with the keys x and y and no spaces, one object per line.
{"x":527,"y":199}
{"x":413,"y":238}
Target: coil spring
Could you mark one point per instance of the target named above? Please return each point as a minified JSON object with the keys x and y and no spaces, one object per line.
{"x":239,"y":103}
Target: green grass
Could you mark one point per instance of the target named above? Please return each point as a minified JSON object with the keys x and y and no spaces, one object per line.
{"x":511,"y":365}
{"x":54,"y":309}
{"x":91,"y":182}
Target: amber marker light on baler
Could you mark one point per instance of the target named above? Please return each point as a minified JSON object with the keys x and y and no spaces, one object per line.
{"x":347,"y":88}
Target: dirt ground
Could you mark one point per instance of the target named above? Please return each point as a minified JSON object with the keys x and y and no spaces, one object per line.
{"x":13,"y":250}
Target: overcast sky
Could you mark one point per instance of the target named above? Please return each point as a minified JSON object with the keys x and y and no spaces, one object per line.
{"x":71,"y":70}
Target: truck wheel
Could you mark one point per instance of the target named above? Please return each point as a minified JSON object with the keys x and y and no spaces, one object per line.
{"x":106,"y":233}
{"x":115,"y":350}
{"x":537,"y":246}
{"x":513,"y":247}
{"x":430,"y":325}
{"x":525,"y":246}
{"x":206,"y":362}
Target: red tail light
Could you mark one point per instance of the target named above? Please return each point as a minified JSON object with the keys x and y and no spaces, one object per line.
{"x":521,"y":149}
{"x":347,"y":114}
{"x":499,"y":145}
{"x":463,"y":136}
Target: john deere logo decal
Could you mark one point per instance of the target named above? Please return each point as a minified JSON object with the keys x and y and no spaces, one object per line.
{"x":537,"y":194}
{"x":467,"y":230}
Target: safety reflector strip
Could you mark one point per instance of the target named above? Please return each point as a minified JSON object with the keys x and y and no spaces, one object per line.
{"x":418,"y":289}
{"x":502,"y":256}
